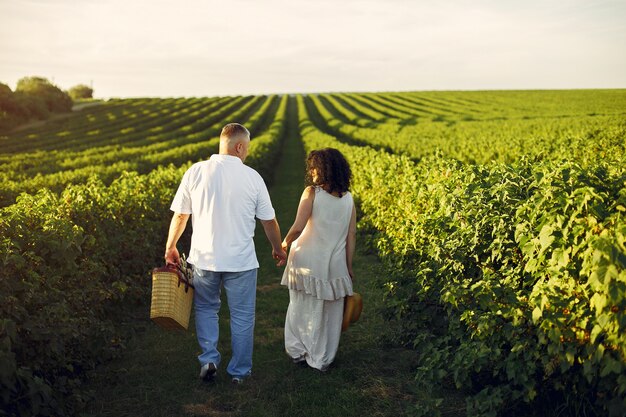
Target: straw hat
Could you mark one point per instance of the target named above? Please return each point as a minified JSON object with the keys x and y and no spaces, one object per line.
{"x":352,"y":308}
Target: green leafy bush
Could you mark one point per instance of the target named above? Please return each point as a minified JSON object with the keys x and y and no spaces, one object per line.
{"x":72,"y":265}
{"x":80,"y":92}
{"x":508,"y":280}
{"x":55,"y":99}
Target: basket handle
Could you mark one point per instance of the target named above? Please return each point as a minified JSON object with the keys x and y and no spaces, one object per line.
{"x":182,"y":278}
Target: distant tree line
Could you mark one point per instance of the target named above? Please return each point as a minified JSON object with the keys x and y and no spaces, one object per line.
{"x":36,"y":98}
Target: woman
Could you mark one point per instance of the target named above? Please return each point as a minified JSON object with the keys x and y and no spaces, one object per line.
{"x":319,"y":266}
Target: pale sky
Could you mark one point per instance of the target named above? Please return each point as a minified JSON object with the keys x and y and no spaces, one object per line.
{"x":163,"y":48}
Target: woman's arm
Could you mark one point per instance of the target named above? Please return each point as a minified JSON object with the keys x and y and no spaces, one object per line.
{"x":351,"y":242}
{"x":305,"y":208}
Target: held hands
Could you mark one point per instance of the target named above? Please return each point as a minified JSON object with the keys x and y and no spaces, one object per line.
{"x":279,"y":255}
{"x":284,"y":249}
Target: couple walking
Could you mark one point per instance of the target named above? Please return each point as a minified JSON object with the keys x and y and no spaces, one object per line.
{"x":223,"y":197}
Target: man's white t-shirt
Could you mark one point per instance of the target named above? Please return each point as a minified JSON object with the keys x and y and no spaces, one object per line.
{"x":223,"y":197}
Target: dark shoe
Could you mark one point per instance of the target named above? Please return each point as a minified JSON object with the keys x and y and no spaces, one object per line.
{"x":299,"y":360}
{"x":237,"y":380}
{"x":207,"y":372}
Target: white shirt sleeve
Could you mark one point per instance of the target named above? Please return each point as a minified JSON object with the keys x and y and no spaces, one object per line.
{"x":264,"y":209}
{"x":182,"y":200}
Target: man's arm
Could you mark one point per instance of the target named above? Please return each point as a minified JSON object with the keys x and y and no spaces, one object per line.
{"x":177,"y":227}
{"x":272,"y":231}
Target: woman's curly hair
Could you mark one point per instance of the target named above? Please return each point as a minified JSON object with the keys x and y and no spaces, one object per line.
{"x":333,"y":171}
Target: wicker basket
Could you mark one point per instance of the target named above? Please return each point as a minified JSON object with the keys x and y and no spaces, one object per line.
{"x":172,"y":296}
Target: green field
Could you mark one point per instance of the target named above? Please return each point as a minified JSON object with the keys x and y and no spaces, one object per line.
{"x":498,"y":219}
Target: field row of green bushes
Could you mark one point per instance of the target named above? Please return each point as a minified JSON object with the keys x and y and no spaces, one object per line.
{"x":412,"y":107}
{"x":583,"y":138}
{"x":173,"y":143}
{"x":507,"y":279}
{"x":75,"y":263}
{"x":110,"y":123}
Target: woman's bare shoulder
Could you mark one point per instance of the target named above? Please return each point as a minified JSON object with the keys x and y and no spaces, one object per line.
{"x":309,"y":192}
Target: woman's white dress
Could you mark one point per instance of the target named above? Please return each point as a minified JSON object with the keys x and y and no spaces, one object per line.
{"x":318,"y":280}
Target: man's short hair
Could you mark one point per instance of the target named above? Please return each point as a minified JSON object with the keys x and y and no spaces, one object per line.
{"x":234,"y":131}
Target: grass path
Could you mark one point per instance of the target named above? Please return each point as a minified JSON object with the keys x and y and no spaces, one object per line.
{"x":157,"y":375}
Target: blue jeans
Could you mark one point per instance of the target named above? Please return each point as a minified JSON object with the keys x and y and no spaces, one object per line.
{"x":241,"y":296}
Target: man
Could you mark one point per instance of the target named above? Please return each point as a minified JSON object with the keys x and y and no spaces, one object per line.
{"x":223,"y":196}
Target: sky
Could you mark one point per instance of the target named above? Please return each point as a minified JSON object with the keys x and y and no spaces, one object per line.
{"x":187,"y":48}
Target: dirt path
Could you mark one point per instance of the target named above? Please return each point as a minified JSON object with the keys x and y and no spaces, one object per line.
{"x":56,"y":116}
